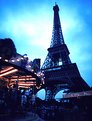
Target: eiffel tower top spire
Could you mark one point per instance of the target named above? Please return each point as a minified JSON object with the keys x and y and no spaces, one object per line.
{"x":57,"y":36}
{"x":58,"y":53}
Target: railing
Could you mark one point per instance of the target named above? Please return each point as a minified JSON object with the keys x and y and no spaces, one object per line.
{"x":78,"y":94}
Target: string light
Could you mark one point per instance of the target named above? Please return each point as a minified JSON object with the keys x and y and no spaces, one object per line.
{"x":32,"y":70}
{"x":18,"y":59}
{"x":27,"y":66}
{"x":41,"y":76}
{"x":6,"y":60}
{"x":12,"y":60}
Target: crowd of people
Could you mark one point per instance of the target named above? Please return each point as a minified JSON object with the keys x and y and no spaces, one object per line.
{"x":74,"y":110}
{"x":13,"y":100}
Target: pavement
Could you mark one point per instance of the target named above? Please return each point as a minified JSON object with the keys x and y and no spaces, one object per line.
{"x":29,"y":116}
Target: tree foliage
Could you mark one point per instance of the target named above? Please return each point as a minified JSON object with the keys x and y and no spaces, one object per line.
{"x":7,"y":48}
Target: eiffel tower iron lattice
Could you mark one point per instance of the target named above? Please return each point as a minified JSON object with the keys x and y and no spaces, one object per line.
{"x":57,"y":67}
{"x":58,"y":51}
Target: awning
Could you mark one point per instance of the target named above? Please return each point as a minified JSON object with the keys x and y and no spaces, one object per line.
{"x":13,"y":74}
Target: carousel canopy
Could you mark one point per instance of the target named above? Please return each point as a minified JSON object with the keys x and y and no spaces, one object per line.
{"x":11,"y":74}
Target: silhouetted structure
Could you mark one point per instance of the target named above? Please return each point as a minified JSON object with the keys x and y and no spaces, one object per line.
{"x":60,"y":72}
{"x":36,"y":65}
{"x":7,"y":48}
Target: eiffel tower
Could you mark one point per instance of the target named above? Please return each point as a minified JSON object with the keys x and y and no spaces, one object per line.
{"x":60,"y":72}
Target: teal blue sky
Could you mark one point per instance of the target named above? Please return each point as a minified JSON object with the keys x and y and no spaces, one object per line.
{"x":29,"y":24}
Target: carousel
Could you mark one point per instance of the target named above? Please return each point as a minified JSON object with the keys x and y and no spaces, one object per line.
{"x":11,"y":74}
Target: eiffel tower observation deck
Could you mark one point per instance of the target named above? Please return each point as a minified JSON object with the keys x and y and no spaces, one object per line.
{"x":57,"y":67}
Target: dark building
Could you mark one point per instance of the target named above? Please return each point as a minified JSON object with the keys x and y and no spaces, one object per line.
{"x":36,"y":65}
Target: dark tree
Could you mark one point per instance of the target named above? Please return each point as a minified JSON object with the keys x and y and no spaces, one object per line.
{"x":7,"y":48}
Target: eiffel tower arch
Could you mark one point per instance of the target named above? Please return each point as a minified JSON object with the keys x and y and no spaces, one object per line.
{"x":60,"y":72}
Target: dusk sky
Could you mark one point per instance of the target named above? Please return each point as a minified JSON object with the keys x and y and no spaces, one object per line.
{"x":29,"y":24}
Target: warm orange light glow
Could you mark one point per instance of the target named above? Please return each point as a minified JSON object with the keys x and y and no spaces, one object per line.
{"x":9,"y":72}
{"x":7,"y":69}
{"x":27,"y":84}
{"x":22,"y":79}
{"x":24,"y":84}
{"x":28,"y":76}
{"x":24,"y":87}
